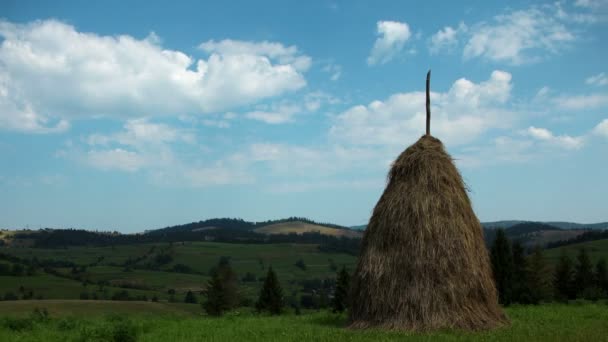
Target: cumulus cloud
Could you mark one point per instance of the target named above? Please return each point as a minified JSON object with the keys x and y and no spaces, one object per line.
{"x":518,"y":37}
{"x":115,"y":159}
{"x":600,"y":79}
{"x":459,"y":115}
{"x":50,"y":73}
{"x":392,"y":36}
{"x":602,"y":129}
{"x":277,"y":114}
{"x":446,"y":38}
{"x":564,"y":141}
{"x":334,"y":70}
{"x":581,"y":102}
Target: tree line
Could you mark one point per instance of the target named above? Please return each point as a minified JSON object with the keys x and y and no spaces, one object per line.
{"x":222,"y":294}
{"x":529,"y":279}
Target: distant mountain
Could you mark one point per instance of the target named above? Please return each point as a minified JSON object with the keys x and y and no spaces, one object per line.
{"x":511,"y":223}
{"x":297,"y":225}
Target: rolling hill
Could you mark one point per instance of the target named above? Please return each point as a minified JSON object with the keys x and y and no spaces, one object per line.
{"x":299,"y":227}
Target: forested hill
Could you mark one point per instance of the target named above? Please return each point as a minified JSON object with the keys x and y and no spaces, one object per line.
{"x":235,"y":224}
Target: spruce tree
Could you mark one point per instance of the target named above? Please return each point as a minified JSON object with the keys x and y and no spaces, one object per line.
{"x":502,"y":266}
{"x":222,"y":289}
{"x":583,"y":274}
{"x":563,"y":278}
{"x":190,"y":298}
{"x":539,"y":277}
{"x":271,"y":295}
{"x":601,"y":276}
{"x":215,"y":305}
{"x":341,"y":296}
{"x":520,"y":290}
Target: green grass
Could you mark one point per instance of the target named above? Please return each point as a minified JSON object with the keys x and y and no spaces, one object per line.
{"x":597,"y":249}
{"x":551,"y":322}
{"x":199,"y":256}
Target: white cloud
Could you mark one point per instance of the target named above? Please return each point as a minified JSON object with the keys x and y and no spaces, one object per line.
{"x":592,"y":4}
{"x":285,"y":55}
{"x":141,"y":132}
{"x":581,"y":102}
{"x":286,"y":111}
{"x":335,"y":71}
{"x":392,"y":38}
{"x":518,"y":37}
{"x":601,"y":129}
{"x":564,"y":141}
{"x":115,"y":159}
{"x":446,"y":38}
{"x":277,"y":114}
{"x":459,"y":115}
{"x":600,"y":79}
{"x":51,"y":73}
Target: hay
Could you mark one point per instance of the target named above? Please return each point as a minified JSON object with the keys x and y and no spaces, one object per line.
{"x":423,"y":263}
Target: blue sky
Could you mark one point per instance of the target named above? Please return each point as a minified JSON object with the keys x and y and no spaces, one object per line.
{"x":132,"y":115}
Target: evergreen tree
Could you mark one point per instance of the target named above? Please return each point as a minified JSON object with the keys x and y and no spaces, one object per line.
{"x":520,"y":290}
{"x":229,"y":283}
{"x":502,"y":266}
{"x":271,"y":295}
{"x":563,"y":278}
{"x":539,"y":277}
{"x":190,"y":298}
{"x":222,"y":289}
{"x":583,"y":273}
{"x":323,"y":298}
{"x":601,"y":276}
{"x":341,"y":296}
{"x":215,"y":305}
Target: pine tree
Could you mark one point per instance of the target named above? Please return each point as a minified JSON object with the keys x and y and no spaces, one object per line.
{"x":502,"y":266}
{"x":563,"y":278}
{"x":583,"y":275}
{"x":601,"y":276}
{"x":190,"y":298}
{"x":341,"y":296}
{"x":323,"y":298}
{"x":215,"y":305}
{"x":271,"y":295}
{"x":222,"y":289}
{"x":539,"y":277}
{"x":229,"y":283}
{"x":520,"y":290}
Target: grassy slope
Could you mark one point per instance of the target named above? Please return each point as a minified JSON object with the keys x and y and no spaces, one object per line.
{"x":532,"y":323}
{"x":303,"y":227}
{"x":200,"y":256}
{"x":596,"y":249}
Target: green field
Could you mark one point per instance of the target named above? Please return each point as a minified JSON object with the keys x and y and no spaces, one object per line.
{"x":87,"y":321}
{"x":108,"y":264}
{"x":596,"y":249}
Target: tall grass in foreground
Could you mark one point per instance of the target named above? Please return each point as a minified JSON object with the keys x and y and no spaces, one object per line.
{"x":551,"y":322}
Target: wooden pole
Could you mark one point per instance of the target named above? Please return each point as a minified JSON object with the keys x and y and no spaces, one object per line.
{"x":428,"y":103}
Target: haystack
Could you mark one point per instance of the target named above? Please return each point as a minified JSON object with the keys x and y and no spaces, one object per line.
{"x":423,"y":263}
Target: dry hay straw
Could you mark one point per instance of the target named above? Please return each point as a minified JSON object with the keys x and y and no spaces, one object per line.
{"x":423,"y":263}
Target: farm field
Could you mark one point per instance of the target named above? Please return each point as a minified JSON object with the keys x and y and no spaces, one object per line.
{"x":128,"y":267}
{"x":549,"y":322}
{"x":597,"y":249}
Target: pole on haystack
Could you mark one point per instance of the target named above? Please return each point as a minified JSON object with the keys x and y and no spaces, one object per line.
{"x":428,"y":103}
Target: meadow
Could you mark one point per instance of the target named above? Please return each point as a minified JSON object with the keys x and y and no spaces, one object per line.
{"x":145,"y":321}
{"x":125,"y":267}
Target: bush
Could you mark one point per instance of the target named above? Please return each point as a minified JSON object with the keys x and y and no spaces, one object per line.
{"x":10,"y":296}
{"x":121,"y":295}
{"x":116,"y":328}
{"x":18,"y":323}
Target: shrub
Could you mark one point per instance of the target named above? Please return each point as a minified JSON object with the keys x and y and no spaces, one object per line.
{"x":18,"y":323}
{"x":10,"y":296}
